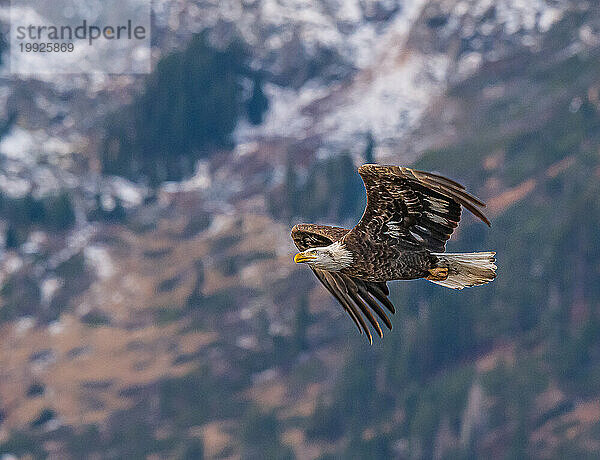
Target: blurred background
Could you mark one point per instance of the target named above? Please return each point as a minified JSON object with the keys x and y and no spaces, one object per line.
{"x":149,"y":304}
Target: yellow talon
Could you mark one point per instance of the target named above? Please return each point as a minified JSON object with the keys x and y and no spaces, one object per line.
{"x":438,"y":274}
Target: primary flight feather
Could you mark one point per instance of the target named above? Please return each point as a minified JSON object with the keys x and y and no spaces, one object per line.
{"x":401,"y":236}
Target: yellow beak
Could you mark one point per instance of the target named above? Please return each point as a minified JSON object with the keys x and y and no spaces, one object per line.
{"x":301,"y":257}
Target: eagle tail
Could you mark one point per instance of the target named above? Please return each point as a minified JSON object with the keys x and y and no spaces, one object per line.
{"x":458,"y":271}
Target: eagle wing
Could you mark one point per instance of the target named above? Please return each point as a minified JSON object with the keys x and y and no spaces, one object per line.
{"x":412,"y":209}
{"x":355,"y":296}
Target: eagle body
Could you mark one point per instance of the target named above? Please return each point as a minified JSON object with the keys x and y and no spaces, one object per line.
{"x":403,"y":264}
{"x":402,"y":234}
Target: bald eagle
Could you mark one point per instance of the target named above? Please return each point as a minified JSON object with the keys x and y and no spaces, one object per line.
{"x":401,"y":236}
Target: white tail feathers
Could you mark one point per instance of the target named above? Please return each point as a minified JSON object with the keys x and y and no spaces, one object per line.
{"x":467,"y":269}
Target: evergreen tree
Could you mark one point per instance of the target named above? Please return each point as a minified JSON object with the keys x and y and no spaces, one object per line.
{"x":194,"y":450}
{"x":189,"y":107}
{"x":303,"y":321}
{"x":370,"y":149}
{"x":59,"y":213}
{"x":11,"y":238}
{"x":258,"y":103}
{"x":291,"y":188}
{"x":3,"y":46}
{"x":34,"y":210}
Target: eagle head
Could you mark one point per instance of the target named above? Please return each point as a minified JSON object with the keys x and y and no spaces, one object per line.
{"x":332,"y":258}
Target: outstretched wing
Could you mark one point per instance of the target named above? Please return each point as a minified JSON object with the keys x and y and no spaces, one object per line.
{"x":355,"y":296}
{"x":412,"y":209}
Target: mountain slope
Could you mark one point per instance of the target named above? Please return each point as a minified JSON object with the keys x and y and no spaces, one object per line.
{"x":172,"y":323}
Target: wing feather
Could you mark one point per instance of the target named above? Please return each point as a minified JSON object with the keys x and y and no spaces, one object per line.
{"x":342,"y":287}
{"x":380,"y":295}
{"x":307,"y":236}
{"x":323,"y":277}
{"x":411,"y":208}
{"x":374,"y":305}
{"x":353,"y":293}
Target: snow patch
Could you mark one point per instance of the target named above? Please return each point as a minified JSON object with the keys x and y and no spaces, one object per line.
{"x":19,"y":144}
{"x":129,"y":193}
{"x":99,"y":259}
{"x":48,"y":287}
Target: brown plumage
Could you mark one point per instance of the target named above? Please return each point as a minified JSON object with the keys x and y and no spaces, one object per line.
{"x":402,"y":235}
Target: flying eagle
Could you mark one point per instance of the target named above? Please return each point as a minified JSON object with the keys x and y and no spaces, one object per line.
{"x":401,"y":236}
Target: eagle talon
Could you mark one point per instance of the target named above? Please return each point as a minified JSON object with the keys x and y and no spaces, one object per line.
{"x":438,"y":274}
